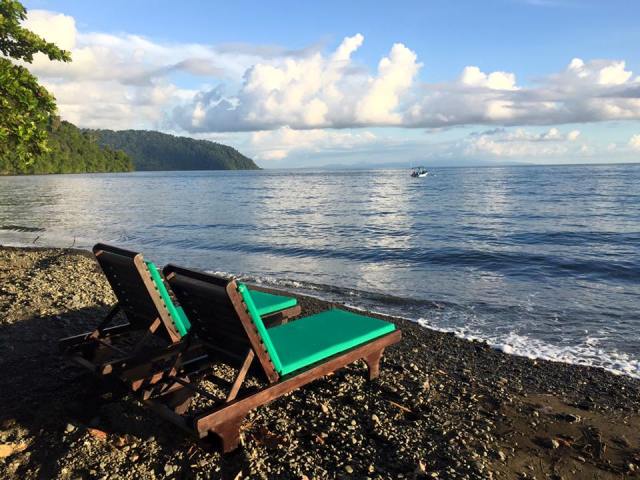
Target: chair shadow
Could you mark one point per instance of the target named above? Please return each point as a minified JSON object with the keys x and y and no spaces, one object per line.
{"x":50,"y":405}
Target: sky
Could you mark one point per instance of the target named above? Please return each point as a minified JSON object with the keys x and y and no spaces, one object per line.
{"x":304,"y":84}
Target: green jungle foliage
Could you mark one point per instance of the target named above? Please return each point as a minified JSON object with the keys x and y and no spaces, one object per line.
{"x":70,"y":150}
{"x":25,"y":106}
{"x":151,"y":150}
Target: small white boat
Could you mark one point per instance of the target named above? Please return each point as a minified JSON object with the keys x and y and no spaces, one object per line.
{"x":419,"y":172}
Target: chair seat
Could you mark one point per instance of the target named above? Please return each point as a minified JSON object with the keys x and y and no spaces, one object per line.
{"x":308,"y":340}
{"x":268,"y":303}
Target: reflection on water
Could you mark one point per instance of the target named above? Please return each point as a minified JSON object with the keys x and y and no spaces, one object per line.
{"x":544,"y":259}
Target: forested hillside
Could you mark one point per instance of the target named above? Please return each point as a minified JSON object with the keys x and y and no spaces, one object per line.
{"x":70,"y":150}
{"x":150,"y":150}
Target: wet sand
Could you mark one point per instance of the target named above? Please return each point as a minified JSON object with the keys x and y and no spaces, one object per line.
{"x":443,"y":407}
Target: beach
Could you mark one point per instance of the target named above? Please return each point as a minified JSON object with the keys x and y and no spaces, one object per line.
{"x":443,"y":407}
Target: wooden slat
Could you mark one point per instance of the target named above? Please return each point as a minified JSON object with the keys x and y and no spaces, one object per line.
{"x":206,"y":304}
{"x":281,"y":317}
{"x":79,"y":339}
{"x":200,"y":290}
{"x":98,"y":248}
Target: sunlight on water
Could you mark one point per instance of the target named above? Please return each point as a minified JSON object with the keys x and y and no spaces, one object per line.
{"x":539,"y":261}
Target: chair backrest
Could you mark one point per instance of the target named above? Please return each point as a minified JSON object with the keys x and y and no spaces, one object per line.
{"x":219,"y":316}
{"x":135,"y":290}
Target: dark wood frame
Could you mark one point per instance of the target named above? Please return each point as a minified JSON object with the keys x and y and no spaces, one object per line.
{"x":137,"y":367}
{"x":170,"y":397}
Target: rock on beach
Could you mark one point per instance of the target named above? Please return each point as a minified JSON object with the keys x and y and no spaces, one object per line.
{"x":442,"y":408}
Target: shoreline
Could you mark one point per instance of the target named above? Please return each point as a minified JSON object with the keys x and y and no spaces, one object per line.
{"x":444,"y":407}
{"x":554,"y":354}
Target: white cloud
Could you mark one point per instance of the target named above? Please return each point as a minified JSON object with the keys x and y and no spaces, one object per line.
{"x":124,"y":80}
{"x":473,"y":76}
{"x":127,"y":81}
{"x":54,"y":27}
{"x":524,"y":144}
{"x":279,"y":144}
{"x":115,"y":81}
{"x":634,"y":142}
{"x":339,"y":94}
{"x":396,"y":74}
{"x":598,"y":72}
{"x":308,"y":92}
{"x":573,"y":135}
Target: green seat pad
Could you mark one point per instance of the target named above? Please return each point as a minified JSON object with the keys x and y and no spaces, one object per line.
{"x":268,"y":303}
{"x":179,"y":318}
{"x":311,"y":339}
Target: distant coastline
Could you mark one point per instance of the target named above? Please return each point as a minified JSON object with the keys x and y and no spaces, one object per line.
{"x":435,"y":164}
{"x":155,"y":151}
{"x":72,"y":150}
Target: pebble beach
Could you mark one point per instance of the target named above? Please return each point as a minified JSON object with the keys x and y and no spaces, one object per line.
{"x":443,"y":407}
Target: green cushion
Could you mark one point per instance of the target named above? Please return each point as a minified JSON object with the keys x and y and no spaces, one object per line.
{"x":308,"y":340}
{"x":311,"y":339}
{"x":267,"y":303}
{"x":178,"y":316}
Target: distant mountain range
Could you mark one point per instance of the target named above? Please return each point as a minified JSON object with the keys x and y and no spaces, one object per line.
{"x":70,"y":150}
{"x":422,"y":163}
{"x":150,"y":150}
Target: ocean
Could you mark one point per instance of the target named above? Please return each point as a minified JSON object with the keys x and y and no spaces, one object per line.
{"x":541,"y":261}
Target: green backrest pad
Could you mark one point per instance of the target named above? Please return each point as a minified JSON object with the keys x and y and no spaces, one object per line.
{"x":264,"y":303}
{"x":268,"y":303}
{"x":308,"y":340}
{"x":179,"y":318}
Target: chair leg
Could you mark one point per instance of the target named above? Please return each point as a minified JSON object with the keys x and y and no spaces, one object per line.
{"x":229,"y":433}
{"x":237,"y":383}
{"x":373,"y":363}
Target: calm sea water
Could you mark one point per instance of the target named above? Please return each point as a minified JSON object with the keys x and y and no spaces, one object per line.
{"x":538,"y":261}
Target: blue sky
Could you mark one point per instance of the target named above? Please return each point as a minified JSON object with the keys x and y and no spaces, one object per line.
{"x":310,"y":83}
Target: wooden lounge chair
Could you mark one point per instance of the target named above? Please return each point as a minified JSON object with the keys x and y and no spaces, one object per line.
{"x":155,"y":326}
{"x":226,"y":321}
